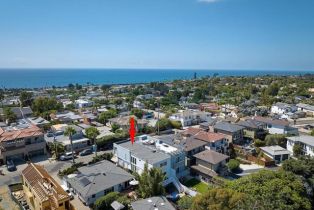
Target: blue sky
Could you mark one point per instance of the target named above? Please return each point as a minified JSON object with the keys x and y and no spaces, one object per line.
{"x":177,"y":34}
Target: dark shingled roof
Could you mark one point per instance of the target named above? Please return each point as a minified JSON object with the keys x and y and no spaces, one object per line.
{"x":227,"y":127}
{"x":210,"y":156}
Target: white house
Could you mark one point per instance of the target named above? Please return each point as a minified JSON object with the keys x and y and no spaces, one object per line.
{"x":138,"y":104}
{"x":277,"y":153}
{"x":282,"y":108}
{"x":191,"y":117}
{"x":80,"y":103}
{"x":277,"y":126}
{"x":154,"y":152}
{"x":307,"y":143}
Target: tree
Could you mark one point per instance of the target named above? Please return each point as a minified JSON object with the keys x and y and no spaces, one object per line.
{"x":9,"y":115}
{"x":105,"y":201}
{"x":70,"y":131}
{"x":297,"y":150}
{"x":233,"y":165}
{"x":218,"y":199}
{"x":150,"y":182}
{"x":137,"y":112}
{"x":26,"y":98}
{"x":44,"y":105}
{"x":276,"y":139}
{"x":273,"y":190}
{"x":163,"y":124}
{"x":1,"y":97}
{"x":105,"y":116}
{"x":114,"y":127}
{"x":175,"y":124}
{"x":92,"y":134}
{"x":259,"y":143}
{"x":56,"y":148}
{"x":185,"y":203}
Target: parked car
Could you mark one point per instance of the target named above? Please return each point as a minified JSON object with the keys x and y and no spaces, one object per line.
{"x":50,"y":134}
{"x":86,"y":152}
{"x":67,"y":156}
{"x":10,"y":165}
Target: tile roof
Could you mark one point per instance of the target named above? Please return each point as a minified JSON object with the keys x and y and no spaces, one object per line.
{"x":191,"y":131}
{"x":210,"y":156}
{"x":209,"y":136}
{"x":13,"y":133}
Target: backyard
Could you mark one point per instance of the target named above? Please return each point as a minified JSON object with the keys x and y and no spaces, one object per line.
{"x":197,"y":185}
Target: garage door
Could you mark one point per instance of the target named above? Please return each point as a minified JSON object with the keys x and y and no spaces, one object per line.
{"x":36,"y":153}
{"x":16,"y":158}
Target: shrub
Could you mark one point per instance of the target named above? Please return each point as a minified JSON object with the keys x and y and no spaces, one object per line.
{"x":105,"y":156}
{"x":233,"y":165}
{"x":259,"y":143}
{"x":104,"y":202}
{"x":185,"y":203}
{"x":72,"y":169}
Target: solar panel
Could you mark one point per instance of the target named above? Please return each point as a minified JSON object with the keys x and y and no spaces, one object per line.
{"x":85,"y":181}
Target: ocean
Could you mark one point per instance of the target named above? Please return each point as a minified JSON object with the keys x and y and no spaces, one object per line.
{"x":37,"y":78}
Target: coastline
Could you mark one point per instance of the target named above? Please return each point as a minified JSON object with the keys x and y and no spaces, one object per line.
{"x":39,"y":78}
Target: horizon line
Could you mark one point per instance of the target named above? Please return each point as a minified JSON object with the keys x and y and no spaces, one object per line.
{"x":143,"y":68}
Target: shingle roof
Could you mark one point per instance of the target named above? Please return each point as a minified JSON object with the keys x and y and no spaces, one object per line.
{"x":249,"y":123}
{"x":153,"y":203}
{"x":98,"y":177}
{"x":227,"y":127}
{"x":271,"y":121}
{"x":211,"y":156}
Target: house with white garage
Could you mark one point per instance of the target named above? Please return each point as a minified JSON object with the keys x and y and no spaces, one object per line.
{"x":276,"y":153}
{"x":275,"y":126}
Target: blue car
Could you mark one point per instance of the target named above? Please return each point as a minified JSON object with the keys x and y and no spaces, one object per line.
{"x":10,"y":165}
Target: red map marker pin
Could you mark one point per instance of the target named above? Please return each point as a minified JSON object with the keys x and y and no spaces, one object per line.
{"x":132,"y":130}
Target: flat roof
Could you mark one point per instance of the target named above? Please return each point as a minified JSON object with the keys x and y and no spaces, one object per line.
{"x":275,"y":150}
{"x":144,"y":152}
{"x":309,"y":140}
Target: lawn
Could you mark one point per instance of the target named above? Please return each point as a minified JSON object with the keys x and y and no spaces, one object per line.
{"x":197,"y":185}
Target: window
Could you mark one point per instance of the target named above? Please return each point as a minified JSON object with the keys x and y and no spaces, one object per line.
{"x":163,"y":164}
{"x":133,"y":160}
{"x":60,"y":204}
{"x":93,"y":196}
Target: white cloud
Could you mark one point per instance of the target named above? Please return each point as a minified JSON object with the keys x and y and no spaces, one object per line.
{"x":208,"y":1}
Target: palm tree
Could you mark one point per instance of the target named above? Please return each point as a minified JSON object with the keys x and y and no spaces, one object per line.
{"x":92,"y":134}
{"x":70,"y":131}
{"x":56,"y":148}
